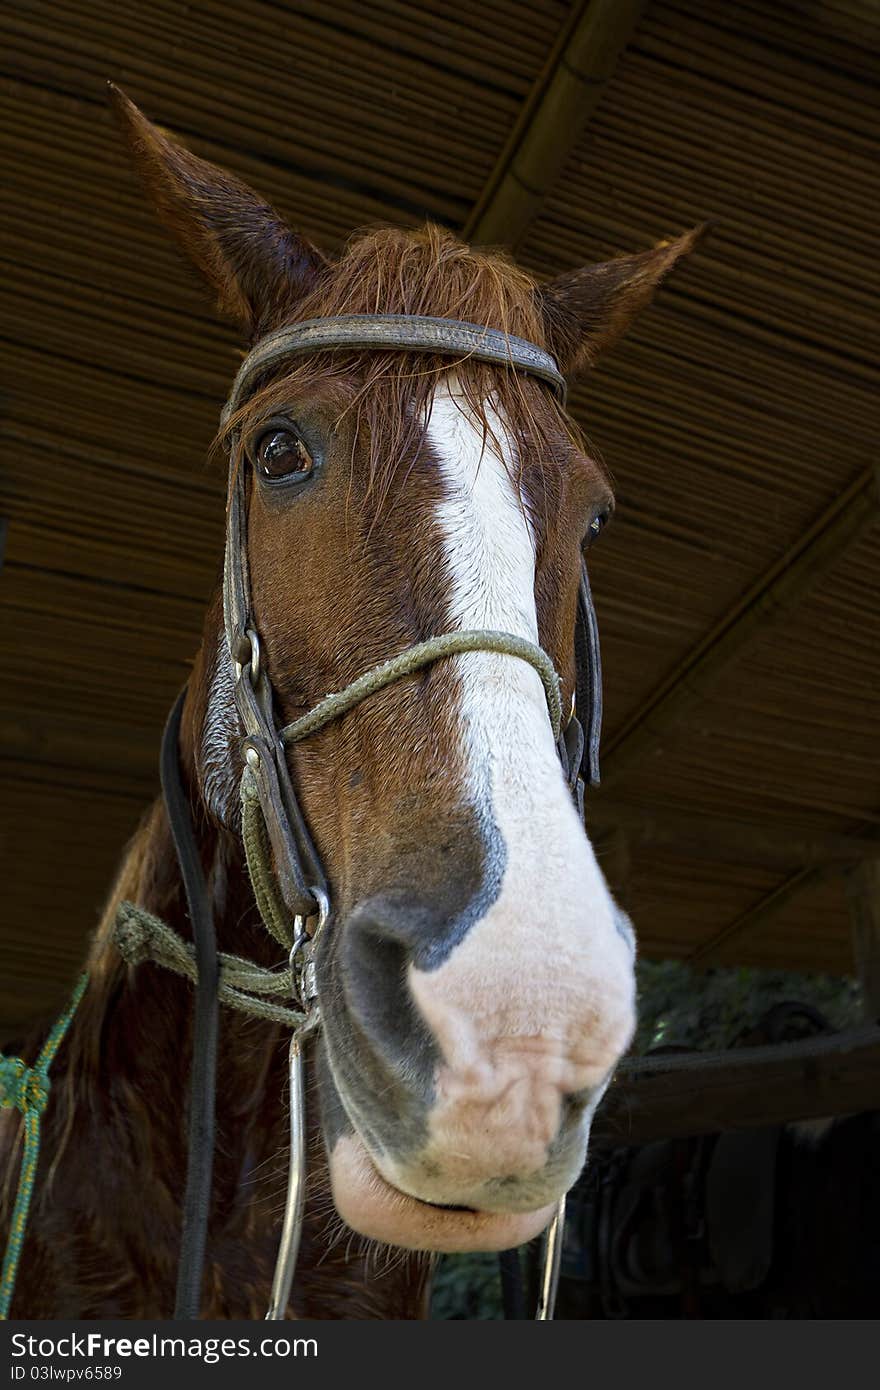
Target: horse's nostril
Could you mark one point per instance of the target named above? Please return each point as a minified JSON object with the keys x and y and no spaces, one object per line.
{"x":374,"y":953}
{"x":386,"y":926}
{"x":574,"y":1103}
{"x":402,"y":930}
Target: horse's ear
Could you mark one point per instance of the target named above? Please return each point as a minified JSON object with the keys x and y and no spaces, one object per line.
{"x":587,"y":310}
{"x":257,"y":266}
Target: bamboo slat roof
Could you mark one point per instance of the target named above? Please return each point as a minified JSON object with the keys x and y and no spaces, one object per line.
{"x":739,"y":418}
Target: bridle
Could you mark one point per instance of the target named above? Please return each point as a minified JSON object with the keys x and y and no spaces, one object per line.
{"x":286,"y":871}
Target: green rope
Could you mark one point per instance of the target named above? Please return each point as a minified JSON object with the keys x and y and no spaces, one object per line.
{"x":26,"y":1089}
{"x":140,"y":936}
{"x":255,"y":838}
{"x":424,"y":654}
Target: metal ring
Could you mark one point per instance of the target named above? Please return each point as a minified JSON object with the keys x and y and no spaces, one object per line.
{"x":323,"y":912}
{"x":251,"y":661}
{"x":301,"y":935}
{"x":256,"y":660}
{"x":301,"y":938}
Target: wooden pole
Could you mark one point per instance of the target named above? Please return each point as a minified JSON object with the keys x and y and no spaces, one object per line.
{"x":552,"y":119}
{"x":863,"y":895}
{"x":759,"y":914}
{"x":665,"y":1097}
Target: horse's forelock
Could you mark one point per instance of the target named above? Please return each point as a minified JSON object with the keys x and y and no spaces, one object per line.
{"x":423,"y":272}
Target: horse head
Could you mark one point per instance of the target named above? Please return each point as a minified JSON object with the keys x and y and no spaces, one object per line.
{"x":476,"y":978}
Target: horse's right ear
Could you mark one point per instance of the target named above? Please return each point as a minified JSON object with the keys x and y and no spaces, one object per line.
{"x":586,"y":311}
{"x":257,"y":266}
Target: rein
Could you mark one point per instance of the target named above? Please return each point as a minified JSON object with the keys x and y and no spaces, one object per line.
{"x":203,"y":1072}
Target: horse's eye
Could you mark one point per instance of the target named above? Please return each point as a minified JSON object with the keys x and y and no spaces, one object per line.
{"x":596,"y":526}
{"x":282,"y":454}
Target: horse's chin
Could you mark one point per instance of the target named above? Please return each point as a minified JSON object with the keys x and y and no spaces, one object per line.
{"x":372,"y":1207}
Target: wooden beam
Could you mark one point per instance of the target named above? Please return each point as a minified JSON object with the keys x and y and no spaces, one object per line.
{"x":761,"y":912}
{"x":770,"y":600}
{"x":725,"y":841}
{"x":552,"y":119}
{"x":863,"y":894}
{"x":803,"y":880}
{"x":666,"y":1097}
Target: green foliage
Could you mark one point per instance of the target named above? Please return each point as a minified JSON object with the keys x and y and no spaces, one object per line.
{"x":677,"y":1005}
{"x":466,"y":1287}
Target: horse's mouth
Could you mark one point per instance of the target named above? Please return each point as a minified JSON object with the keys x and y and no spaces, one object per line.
{"x":374,"y":1208}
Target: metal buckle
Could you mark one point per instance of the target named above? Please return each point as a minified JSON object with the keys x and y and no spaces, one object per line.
{"x":302,"y":956}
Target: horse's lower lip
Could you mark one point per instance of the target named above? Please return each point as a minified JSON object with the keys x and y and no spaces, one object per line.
{"x":374,"y":1208}
{"x":450,"y":1206}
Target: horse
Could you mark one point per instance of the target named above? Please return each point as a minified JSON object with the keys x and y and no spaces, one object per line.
{"x":475,"y":976}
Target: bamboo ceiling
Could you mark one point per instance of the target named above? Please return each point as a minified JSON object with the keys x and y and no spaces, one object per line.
{"x":738,"y":588}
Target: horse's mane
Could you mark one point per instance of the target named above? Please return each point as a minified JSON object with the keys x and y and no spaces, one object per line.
{"x":424,"y":272}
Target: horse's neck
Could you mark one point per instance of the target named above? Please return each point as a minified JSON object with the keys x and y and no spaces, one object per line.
{"x":113,"y":1174}
{"x":146,"y":1014}
{"x":114,"y":1145}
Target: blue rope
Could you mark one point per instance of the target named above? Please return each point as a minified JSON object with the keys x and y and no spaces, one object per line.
{"x":26,"y":1089}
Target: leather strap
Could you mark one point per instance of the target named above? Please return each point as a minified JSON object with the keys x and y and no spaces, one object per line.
{"x":203,"y":1072}
{"x":588,"y":665}
{"x":236,"y":579}
{"x":297,"y":863}
{"x":406,"y":332}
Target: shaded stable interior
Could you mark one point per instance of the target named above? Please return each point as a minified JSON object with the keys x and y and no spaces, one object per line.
{"x":737,"y":590}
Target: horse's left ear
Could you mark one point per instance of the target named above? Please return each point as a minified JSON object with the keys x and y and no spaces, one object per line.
{"x":256,"y":265}
{"x":587,"y":310}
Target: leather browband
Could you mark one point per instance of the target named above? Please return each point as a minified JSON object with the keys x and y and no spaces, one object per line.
{"x":410,"y":333}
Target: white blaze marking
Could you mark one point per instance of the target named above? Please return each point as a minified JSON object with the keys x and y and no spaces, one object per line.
{"x":513,"y":764}
{"x":537,"y":999}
